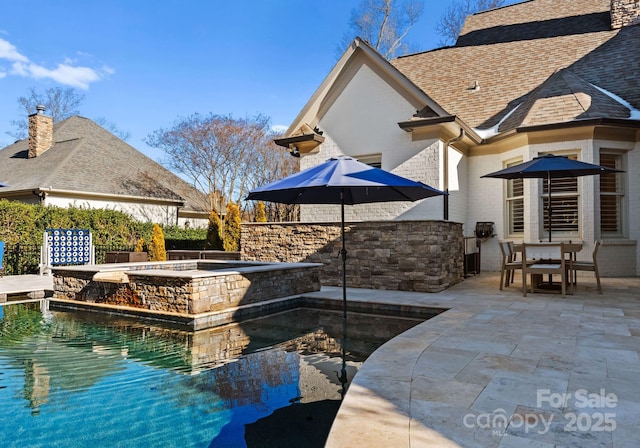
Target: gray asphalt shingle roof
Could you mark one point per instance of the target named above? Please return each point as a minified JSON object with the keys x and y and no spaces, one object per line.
{"x":512,"y":52}
{"x":85,"y":157}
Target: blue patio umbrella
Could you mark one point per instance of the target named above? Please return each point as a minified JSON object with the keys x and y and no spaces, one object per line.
{"x":343,"y":180}
{"x":550,"y":166}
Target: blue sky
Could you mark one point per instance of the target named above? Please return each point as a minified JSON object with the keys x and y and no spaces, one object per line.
{"x":142,"y":64}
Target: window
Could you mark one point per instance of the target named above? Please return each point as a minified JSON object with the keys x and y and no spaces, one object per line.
{"x":374,"y":160}
{"x":565,"y":206}
{"x":515,"y":204}
{"x":611,"y":197}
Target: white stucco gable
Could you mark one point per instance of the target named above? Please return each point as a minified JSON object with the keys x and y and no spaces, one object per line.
{"x":363,"y":120}
{"x":358,"y":54}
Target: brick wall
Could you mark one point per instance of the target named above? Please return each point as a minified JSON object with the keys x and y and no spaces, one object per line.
{"x":424,"y":256}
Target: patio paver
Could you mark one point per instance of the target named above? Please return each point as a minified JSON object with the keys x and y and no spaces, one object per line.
{"x":501,"y":370}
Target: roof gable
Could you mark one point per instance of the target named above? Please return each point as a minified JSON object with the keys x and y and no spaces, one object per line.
{"x":563,"y":97}
{"x":358,"y":54}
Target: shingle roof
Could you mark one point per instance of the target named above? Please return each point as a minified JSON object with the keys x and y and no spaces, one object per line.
{"x":87,"y":158}
{"x":535,"y":19}
{"x":566,"y":97}
{"x":511,"y":52}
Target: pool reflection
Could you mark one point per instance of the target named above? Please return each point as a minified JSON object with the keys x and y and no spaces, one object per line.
{"x":188,"y":388}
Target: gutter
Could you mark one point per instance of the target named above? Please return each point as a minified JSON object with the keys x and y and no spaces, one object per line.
{"x":44,"y":191}
{"x":622,"y":122}
{"x":445,"y":177}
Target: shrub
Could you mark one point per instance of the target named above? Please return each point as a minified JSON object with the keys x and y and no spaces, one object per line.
{"x":231,"y":229}
{"x":157,"y":251}
{"x":139,"y":245}
{"x":214,"y":241}
{"x":261,"y":214}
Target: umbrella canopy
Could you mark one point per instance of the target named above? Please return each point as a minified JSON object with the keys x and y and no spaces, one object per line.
{"x":550,"y":166}
{"x":343,"y":180}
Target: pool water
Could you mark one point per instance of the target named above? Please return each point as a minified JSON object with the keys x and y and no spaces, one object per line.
{"x":72,"y":379}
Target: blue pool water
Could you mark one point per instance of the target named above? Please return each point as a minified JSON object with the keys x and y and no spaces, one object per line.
{"x":70,"y":379}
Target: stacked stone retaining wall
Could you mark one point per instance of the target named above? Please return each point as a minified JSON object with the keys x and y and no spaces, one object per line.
{"x":424,"y":256}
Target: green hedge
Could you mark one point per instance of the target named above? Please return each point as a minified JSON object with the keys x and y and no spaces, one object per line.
{"x":24,"y":224}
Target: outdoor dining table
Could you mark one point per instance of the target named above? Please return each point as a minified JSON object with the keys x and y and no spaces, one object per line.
{"x":570,"y":250}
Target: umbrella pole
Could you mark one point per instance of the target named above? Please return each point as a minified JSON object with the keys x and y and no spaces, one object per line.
{"x":343,"y":253}
{"x":343,"y":372}
{"x":549,"y":213}
{"x":549,"y":205}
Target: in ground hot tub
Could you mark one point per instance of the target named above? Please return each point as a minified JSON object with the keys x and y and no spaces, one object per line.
{"x":192,"y":290}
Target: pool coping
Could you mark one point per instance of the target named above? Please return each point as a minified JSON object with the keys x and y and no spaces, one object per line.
{"x":159,"y":271}
{"x":204,"y":321}
{"x":490,"y":355}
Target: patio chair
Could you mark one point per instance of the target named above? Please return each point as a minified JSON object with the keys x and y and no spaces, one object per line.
{"x":588,"y":266}
{"x":509,"y":265}
{"x":1,"y":258}
{"x":541,"y":259}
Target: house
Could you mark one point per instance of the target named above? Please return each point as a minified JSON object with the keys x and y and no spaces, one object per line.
{"x":77,"y":162}
{"x":541,"y":76}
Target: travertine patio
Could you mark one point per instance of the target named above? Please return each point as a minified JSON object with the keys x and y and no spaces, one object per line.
{"x":495,"y":369}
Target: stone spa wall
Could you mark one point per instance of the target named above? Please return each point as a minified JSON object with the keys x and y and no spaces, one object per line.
{"x":425,"y":256}
{"x":192,"y":288}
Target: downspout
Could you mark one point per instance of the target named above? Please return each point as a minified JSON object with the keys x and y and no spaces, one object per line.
{"x":42,"y":195}
{"x":445,"y":177}
{"x":177,"y":215}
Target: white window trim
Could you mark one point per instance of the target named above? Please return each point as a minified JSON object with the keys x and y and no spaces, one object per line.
{"x":622,"y":184}
{"x":507,"y":200}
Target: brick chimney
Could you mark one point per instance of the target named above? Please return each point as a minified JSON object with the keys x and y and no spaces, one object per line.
{"x":40,"y":132}
{"x":624,"y":13}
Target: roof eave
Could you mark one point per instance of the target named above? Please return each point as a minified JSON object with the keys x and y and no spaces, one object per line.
{"x":411,"y":125}
{"x":111,"y":196}
{"x":303,"y":144}
{"x":621,"y":122}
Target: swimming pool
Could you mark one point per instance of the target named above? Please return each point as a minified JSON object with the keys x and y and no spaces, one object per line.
{"x":83,"y":379}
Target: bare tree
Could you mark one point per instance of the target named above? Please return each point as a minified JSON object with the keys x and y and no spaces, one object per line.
{"x":61,"y":103}
{"x":111,"y":127}
{"x":276,"y":163}
{"x":452,"y":20}
{"x":221,"y":155}
{"x":384,"y":24}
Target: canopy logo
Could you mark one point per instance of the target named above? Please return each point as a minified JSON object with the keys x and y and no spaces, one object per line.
{"x":582,"y":411}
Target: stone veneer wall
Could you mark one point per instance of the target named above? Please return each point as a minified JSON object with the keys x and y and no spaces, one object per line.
{"x":186,"y":295}
{"x":40,"y":134}
{"x":424,"y":256}
{"x":624,"y":13}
